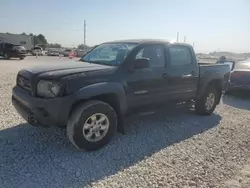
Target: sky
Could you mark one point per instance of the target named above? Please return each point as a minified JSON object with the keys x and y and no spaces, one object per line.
{"x":211,"y":25}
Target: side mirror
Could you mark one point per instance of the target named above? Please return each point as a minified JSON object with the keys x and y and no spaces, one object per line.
{"x":141,"y":63}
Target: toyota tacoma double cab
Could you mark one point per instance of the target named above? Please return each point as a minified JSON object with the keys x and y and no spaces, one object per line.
{"x":91,"y":97}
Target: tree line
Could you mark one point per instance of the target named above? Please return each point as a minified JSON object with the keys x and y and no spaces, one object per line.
{"x":41,"y":39}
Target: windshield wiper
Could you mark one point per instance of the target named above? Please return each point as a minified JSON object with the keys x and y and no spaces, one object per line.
{"x":82,"y":60}
{"x":96,"y":62}
{"x":100,"y":63}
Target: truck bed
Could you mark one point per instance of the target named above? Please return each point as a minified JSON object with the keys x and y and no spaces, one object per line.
{"x":212,"y":70}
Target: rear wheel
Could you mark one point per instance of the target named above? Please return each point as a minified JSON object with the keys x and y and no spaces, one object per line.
{"x":92,"y":125}
{"x":207,"y":103}
{"x":21,"y":58}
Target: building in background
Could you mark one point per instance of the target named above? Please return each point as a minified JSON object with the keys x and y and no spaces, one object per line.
{"x":24,"y":40}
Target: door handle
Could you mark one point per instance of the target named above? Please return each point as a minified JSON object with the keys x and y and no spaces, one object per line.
{"x":186,"y":75}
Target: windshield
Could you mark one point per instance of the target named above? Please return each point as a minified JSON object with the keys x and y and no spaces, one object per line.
{"x":112,"y":54}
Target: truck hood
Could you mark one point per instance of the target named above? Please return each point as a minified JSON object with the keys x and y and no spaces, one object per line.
{"x":61,"y":69}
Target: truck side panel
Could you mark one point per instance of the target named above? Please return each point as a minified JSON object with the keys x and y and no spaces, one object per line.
{"x":212,"y":73}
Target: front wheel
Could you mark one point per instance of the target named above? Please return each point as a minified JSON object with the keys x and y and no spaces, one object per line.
{"x":92,"y":125}
{"x":21,"y":58}
{"x":208,"y":101}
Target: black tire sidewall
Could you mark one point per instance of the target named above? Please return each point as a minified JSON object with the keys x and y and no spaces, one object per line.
{"x":78,"y":137}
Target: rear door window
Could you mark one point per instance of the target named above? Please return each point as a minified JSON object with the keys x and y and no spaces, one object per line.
{"x":180,"y":56}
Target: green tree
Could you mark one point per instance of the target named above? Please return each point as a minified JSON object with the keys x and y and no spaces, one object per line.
{"x":42,"y":39}
{"x":54,"y":45}
{"x":82,"y":46}
{"x":39,"y":39}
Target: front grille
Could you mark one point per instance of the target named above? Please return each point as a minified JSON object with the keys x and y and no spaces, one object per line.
{"x":23,"y":83}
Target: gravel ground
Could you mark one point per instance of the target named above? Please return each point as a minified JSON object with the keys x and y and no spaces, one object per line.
{"x":166,"y":149}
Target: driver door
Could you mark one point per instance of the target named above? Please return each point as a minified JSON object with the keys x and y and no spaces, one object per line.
{"x":148,"y":86}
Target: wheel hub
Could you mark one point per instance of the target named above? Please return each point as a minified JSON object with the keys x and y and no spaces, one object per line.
{"x":96,"y":127}
{"x":210,"y":100}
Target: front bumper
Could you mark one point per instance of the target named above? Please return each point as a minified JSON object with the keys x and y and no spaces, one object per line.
{"x":42,"y":112}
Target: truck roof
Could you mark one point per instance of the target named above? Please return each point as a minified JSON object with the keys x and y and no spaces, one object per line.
{"x":144,"y":41}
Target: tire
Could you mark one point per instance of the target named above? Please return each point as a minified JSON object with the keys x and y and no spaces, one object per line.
{"x":83,"y":114}
{"x":201,"y":107}
{"x":21,"y":58}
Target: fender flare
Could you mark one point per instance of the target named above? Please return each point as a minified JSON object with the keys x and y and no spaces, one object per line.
{"x":206,"y":80}
{"x":104,"y":88}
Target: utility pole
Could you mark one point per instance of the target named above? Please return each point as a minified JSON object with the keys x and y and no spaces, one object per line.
{"x":185,"y":39}
{"x":177,"y":40}
{"x":84,"y":32}
{"x":193,"y":44}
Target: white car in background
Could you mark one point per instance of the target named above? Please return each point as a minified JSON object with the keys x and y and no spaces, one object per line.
{"x":37,"y":51}
{"x":66,"y":52}
{"x":80,"y":53}
{"x":53,"y":53}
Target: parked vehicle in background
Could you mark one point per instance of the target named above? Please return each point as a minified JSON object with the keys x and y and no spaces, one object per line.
{"x":38,"y":51}
{"x":8,"y":51}
{"x":43,"y":46}
{"x":91,"y":97}
{"x":53,"y":53}
{"x":240,"y":77}
{"x":80,"y":53}
{"x":24,"y":40}
{"x":66,"y":52}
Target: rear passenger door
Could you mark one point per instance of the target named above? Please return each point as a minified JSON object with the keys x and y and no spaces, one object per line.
{"x":183,"y":72}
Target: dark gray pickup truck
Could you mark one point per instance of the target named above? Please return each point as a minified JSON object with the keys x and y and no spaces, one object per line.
{"x":91,"y":97}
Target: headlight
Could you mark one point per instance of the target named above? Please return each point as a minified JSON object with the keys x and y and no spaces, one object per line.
{"x":48,"y":89}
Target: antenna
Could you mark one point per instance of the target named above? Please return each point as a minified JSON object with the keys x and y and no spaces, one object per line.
{"x":84,"y":32}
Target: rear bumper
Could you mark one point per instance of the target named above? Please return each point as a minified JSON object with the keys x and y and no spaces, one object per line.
{"x":42,"y":112}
